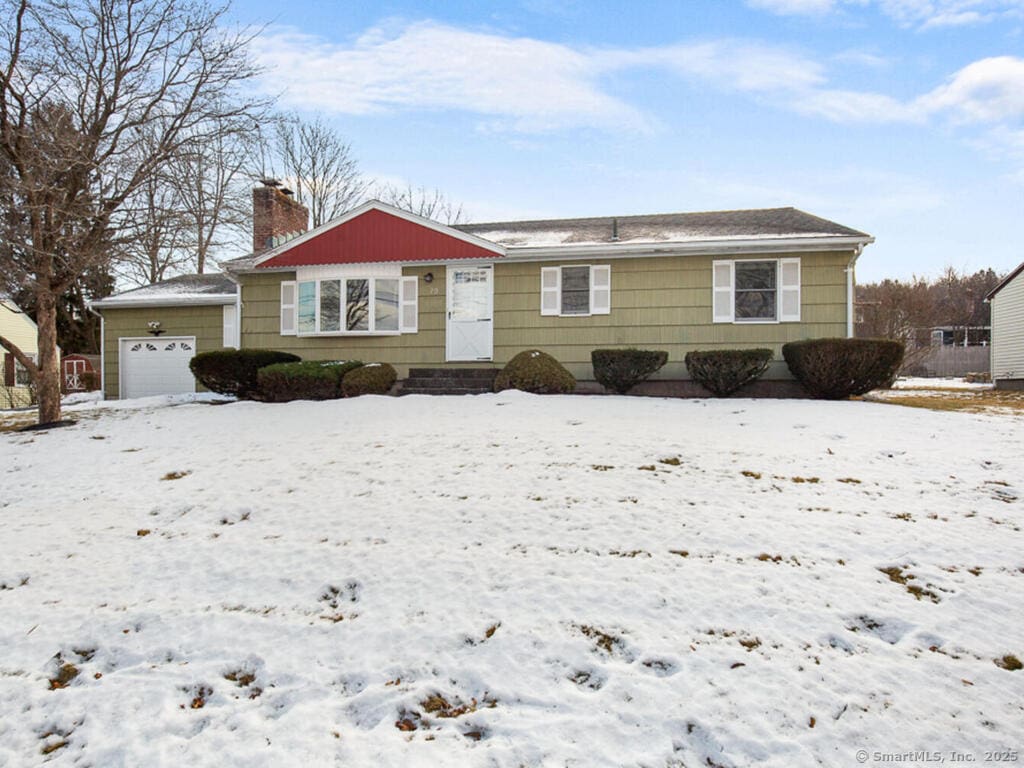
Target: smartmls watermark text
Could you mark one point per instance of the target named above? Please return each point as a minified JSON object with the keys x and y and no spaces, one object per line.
{"x":925,"y":757}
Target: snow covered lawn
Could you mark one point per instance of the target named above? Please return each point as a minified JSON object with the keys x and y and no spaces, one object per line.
{"x":511,"y":580}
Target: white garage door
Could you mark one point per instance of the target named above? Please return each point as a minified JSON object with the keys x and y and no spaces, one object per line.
{"x":157,"y":366}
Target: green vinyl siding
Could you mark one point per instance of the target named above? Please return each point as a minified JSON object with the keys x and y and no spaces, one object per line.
{"x":660,"y":303}
{"x":261,"y":326}
{"x":206,"y":323}
{"x":657,"y":302}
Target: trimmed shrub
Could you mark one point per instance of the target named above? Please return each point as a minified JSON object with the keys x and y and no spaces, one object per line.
{"x":372,"y":379}
{"x":834,"y":369}
{"x":233,"y":371}
{"x":308,"y":380}
{"x":537,"y":372}
{"x":724,"y":371}
{"x":622,"y":369}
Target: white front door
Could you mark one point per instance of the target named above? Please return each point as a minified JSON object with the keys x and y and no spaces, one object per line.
{"x":156,"y":366}
{"x":470,"y":334}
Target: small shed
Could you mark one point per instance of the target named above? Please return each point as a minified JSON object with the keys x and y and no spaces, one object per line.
{"x":1007,"y":301}
{"x":80,"y":373}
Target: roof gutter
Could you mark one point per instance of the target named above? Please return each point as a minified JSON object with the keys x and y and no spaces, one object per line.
{"x":170,"y":301}
{"x":698,"y":247}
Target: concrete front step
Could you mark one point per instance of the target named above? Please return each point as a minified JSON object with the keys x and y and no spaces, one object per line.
{"x":449,"y":381}
{"x":453,"y":373}
{"x":444,"y":391}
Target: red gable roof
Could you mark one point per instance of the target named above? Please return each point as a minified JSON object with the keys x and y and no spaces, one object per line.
{"x":375,"y":235}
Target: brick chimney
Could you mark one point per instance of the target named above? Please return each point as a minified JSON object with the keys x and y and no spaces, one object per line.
{"x":276,"y":215}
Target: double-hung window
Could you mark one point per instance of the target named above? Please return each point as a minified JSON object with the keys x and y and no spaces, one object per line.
{"x":21,"y":375}
{"x":349,"y":306}
{"x":756,"y":291}
{"x":576,"y":290}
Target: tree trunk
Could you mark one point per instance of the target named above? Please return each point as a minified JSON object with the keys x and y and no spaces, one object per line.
{"x":48,"y":376}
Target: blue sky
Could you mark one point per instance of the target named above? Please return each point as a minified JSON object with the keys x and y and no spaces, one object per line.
{"x":902,"y":118}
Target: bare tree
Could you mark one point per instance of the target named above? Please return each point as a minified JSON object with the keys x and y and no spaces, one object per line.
{"x":909,"y":310}
{"x":95,"y":97}
{"x":428,"y":203}
{"x":156,"y":240}
{"x":318,"y":162}
{"x":211,"y":177}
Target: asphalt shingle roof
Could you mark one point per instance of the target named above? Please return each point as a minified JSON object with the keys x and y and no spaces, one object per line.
{"x":662,"y":227}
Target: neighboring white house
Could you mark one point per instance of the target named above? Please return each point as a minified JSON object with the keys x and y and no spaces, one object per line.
{"x":1007,"y":301}
{"x":20,"y":330}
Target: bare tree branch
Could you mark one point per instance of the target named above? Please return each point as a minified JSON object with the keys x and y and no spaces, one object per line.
{"x":96,"y":98}
{"x":428,"y":203}
{"x":318,"y":163}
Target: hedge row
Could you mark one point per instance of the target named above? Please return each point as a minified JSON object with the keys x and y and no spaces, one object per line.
{"x":278,"y":377}
{"x":827,"y":368}
{"x":308,"y":380}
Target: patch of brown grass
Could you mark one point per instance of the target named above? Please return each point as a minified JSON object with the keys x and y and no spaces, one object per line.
{"x":65,"y":674}
{"x":603,"y":640}
{"x":969,"y":401}
{"x":1009,"y":662}
{"x":438,"y":706}
{"x":896,"y":574}
{"x":176,"y":475}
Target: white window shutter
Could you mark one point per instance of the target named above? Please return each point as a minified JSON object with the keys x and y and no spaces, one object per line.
{"x":410,"y":305}
{"x":230,"y":326}
{"x":288,"y":291}
{"x":601,"y":290}
{"x":789,"y":290}
{"x":550,"y":290}
{"x":721,"y":295}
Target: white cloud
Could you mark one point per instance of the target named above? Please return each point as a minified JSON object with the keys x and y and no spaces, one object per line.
{"x":922,"y":14}
{"x":990,"y":91}
{"x":794,"y":7}
{"x":862,"y":59}
{"x":526,"y":85}
{"x":536,"y":84}
{"x":856,"y":107}
{"x":741,"y":66}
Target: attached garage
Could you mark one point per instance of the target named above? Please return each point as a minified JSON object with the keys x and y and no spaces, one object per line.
{"x":156,"y":366}
{"x":150,"y":334}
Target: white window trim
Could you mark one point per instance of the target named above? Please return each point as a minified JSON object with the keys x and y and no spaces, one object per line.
{"x":292,"y":308}
{"x":778,"y":319}
{"x":230,"y":323}
{"x":557,"y":291}
{"x":372,"y":318}
{"x":21,"y":369}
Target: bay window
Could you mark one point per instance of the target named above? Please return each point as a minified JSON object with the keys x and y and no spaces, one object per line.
{"x":349,"y":306}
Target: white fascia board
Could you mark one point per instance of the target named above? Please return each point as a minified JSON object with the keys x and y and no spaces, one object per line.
{"x":401,"y":264}
{"x":165,"y":301}
{"x":699,"y":247}
{"x":377,"y":205}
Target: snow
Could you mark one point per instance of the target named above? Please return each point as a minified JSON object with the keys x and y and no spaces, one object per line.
{"x":546,"y":238}
{"x":940,"y":383}
{"x":81,"y":398}
{"x":596,"y":581}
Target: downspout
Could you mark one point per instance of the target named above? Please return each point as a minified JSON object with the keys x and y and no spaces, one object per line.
{"x":238,"y":309}
{"x":850,"y":288}
{"x":103,"y":352}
